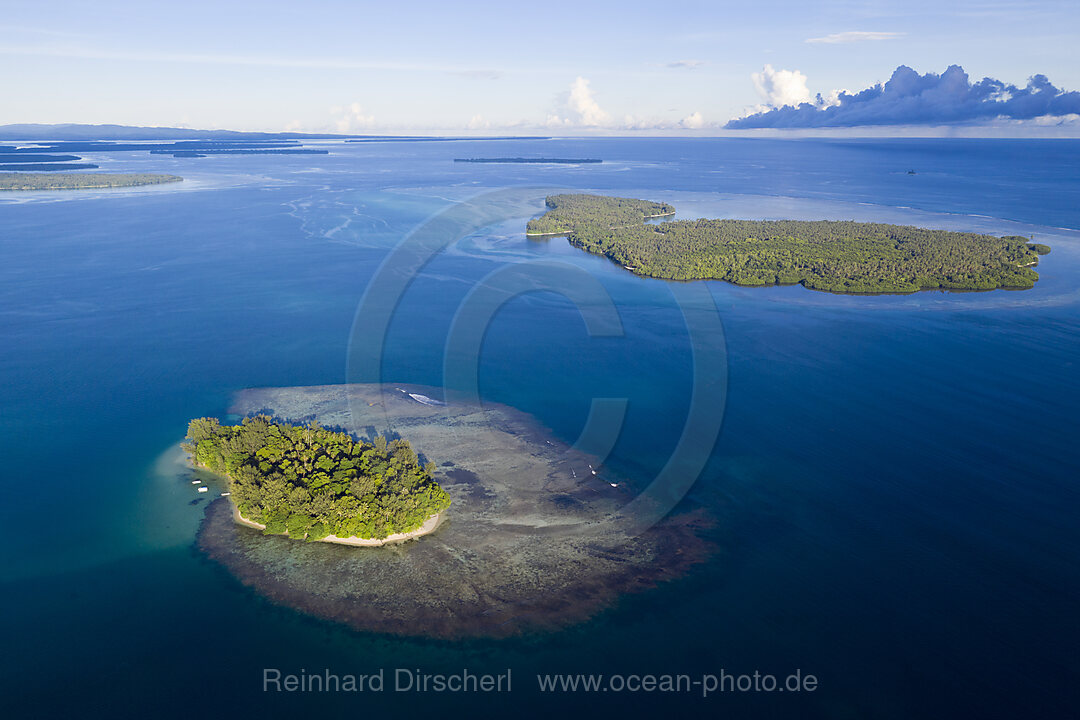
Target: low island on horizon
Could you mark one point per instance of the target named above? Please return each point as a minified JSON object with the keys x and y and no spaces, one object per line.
{"x":550,"y":161}
{"x":832,"y":256}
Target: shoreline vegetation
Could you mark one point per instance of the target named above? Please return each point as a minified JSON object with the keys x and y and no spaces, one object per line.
{"x":429,"y":526}
{"x":832,"y":256}
{"x":564,"y":233}
{"x":316,"y":484}
{"x":555,"y":161}
{"x":80,"y":181}
{"x":570,"y":213}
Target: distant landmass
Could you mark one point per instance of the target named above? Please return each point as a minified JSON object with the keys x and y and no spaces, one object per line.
{"x":35,"y":131}
{"x":24,"y":157}
{"x":40,"y":156}
{"x":557,"y":161}
{"x":79,"y":181}
{"x":44,"y":143}
{"x":147,"y":146}
{"x":240,"y":151}
{"x":834,"y":256}
{"x":46,"y":167}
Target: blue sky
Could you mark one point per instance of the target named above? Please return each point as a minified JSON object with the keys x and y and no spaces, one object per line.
{"x":496,"y":67}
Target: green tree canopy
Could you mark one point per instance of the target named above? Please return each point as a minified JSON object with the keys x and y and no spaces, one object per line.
{"x":836,"y":256}
{"x":311,"y":482}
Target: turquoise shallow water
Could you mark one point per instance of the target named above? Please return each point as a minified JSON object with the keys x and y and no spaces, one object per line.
{"x":893,"y":488}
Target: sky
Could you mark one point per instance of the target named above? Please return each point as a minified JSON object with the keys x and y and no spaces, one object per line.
{"x":553,"y":68}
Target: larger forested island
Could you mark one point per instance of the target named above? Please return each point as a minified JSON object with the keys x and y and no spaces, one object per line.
{"x":834,"y":256}
{"x":79,"y":181}
{"x":314,"y":483}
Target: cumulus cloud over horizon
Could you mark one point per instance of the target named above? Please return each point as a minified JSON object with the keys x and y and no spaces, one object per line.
{"x":580,"y":108}
{"x":909,"y":98}
{"x":352,"y":118}
{"x":693,"y":121}
{"x":781,"y":87}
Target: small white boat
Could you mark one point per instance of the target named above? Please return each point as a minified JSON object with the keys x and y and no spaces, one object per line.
{"x":204,"y":489}
{"x":614,"y":484}
{"x":196,"y":482}
{"x":424,"y":399}
{"x":225,"y":494}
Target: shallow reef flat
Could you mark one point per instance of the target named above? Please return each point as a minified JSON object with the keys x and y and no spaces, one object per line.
{"x":531,"y":542}
{"x":74,"y":181}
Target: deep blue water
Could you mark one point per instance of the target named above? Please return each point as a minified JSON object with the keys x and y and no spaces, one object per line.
{"x":894,"y":487}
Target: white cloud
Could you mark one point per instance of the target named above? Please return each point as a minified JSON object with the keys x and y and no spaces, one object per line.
{"x":554,"y":121}
{"x":352,"y":118}
{"x":781,"y":87}
{"x":833,"y":98}
{"x":477,"y":122}
{"x":693,"y":121}
{"x":315,"y":63}
{"x":579,"y":108}
{"x":688,"y":64}
{"x":852,"y":36}
{"x":1070,"y":120}
{"x":634,"y":123}
{"x":584,"y":104}
{"x":778,"y":88}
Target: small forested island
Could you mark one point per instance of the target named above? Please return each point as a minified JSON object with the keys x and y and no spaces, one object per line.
{"x":23,"y":157}
{"x":833,"y":256}
{"x":48,"y":167}
{"x":557,"y":161}
{"x":536,"y":541}
{"x":79,"y":181}
{"x":318,"y":484}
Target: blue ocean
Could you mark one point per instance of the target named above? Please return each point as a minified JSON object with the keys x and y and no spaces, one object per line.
{"x":893,"y":494}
